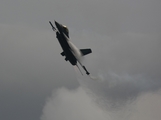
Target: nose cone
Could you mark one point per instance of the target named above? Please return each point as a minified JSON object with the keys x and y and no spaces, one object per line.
{"x":59,"y":26}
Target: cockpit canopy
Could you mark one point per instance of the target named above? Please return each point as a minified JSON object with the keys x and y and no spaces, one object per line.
{"x":65,"y":30}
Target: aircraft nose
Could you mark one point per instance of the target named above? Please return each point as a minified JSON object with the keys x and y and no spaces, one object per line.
{"x":57,"y":24}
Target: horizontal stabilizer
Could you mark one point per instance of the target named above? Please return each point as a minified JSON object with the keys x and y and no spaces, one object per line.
{"x":85,"y":51}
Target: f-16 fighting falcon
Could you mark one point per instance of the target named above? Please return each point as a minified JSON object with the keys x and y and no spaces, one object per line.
{"x":70,"y":51}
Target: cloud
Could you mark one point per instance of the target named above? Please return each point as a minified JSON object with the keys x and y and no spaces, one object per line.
{"x":147,"y":107}
{"x":81,"y":103}
{"x":75,"y":104}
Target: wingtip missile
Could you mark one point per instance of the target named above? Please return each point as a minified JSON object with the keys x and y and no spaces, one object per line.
{"x":86,"y":70}
{"x":54,"y":29}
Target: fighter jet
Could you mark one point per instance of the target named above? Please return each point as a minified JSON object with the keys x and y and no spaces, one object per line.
{"x":70,"y":51}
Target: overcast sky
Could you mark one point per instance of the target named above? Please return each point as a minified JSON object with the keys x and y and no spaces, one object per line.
{"x":37,"y":84}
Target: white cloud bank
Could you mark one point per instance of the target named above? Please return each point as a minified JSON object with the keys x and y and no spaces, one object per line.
{"x":65,"y":104}
{"x":76,"y":104}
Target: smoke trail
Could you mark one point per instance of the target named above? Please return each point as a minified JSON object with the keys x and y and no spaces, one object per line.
{"x":99,"y":77}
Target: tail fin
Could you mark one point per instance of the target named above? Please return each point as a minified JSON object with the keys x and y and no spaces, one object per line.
{"x":85,"y":51}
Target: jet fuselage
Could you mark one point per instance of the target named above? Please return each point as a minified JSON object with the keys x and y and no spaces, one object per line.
{"x":70,"y":51}
{"x":68,"y":48}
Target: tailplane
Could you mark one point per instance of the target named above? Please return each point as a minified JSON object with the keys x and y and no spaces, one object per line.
{"x":85,"y":51}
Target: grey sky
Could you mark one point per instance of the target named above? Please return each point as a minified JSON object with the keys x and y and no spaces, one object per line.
{"x":124,"y":36}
